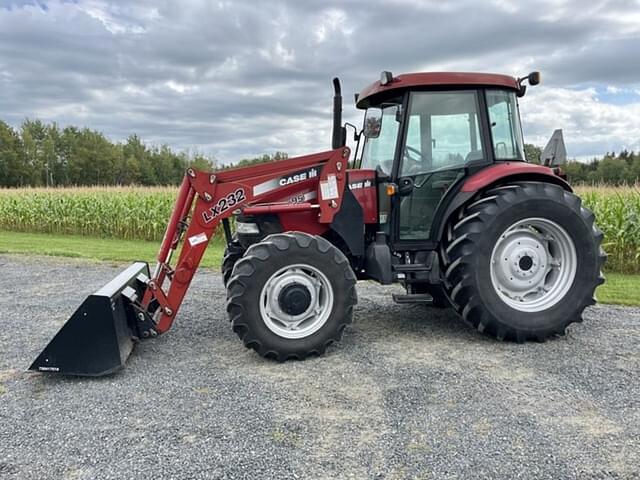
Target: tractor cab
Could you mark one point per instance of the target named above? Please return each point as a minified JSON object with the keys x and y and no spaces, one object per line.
{"x":424,"y":133}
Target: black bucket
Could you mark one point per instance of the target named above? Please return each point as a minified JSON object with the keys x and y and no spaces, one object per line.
{"x":99,"y":336}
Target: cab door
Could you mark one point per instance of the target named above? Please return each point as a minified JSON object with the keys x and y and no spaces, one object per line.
{"x":441,"y":137}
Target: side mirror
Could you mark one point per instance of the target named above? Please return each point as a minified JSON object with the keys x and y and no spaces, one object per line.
{"x":356,"y":135}
{"x":372,"y":123}
{"x":534,"y":78}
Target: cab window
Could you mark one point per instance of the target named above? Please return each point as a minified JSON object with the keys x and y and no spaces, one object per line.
{"x":380,"y":151}
{"x":505,"y":125}
{"x":442,"y":132}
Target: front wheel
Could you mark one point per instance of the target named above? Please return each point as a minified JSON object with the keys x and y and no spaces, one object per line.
{"x":291,"y":295}
{"x":232,"y":253}
{"x":523,"y":261}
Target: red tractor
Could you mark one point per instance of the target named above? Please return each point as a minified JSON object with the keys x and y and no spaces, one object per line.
{"x":438,"y":197}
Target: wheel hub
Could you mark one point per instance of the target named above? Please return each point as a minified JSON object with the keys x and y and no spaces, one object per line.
{"x":526,"y":262}
{"x":523,"y":260}
{"x":296,"y":301}
{"x":533,"y":264}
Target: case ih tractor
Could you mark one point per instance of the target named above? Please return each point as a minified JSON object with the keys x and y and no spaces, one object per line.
{"x":438,"y":197}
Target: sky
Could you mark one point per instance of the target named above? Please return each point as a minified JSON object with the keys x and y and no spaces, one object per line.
{"x":235,"y":79}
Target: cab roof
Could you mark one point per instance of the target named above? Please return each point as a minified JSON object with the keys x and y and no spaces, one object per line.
{"x":376,"y":91}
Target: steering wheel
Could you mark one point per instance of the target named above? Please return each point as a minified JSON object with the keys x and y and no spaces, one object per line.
{"x":386,"y":166}
{"x":413,"y":160}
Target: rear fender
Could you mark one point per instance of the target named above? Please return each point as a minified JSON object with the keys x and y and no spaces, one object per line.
{"x":491,"y":177}
{"x":507,"y":172}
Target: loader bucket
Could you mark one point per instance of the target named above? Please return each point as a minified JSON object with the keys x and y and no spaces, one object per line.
{"x":97,"y":339}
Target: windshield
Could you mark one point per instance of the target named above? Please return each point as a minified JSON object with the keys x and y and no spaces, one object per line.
{"x":505,"y":125}
{"x":379,"y":151}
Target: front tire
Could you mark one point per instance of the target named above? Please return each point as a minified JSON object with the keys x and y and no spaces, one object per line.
{"x":231,"y":255}
{"x":523,"y":261}
{"x":291,"y":296}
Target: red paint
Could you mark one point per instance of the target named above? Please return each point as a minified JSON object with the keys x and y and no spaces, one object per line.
{"x":217,"y":195}
{"x":499,"y":171}
{"x":364,"y":188}
{"x":435,"y":79}
{"x":177,"y":214}
{"x":303,"y":222}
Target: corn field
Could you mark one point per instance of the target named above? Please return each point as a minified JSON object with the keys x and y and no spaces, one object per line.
{"x":141,"y":213}
{"x":617,"y":212}
{"x":132,"y":213}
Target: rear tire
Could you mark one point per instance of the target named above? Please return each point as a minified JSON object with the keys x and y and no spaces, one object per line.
{"x":291,"y":296}
{"x":523,"y":261}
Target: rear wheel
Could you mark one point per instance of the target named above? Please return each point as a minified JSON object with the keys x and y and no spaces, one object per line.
{"x":291,"y":295}
{"x":523,"y":261}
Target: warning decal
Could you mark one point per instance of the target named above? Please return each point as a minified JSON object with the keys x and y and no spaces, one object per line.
{"x":329,"y":189}
{"x":198,"y":239}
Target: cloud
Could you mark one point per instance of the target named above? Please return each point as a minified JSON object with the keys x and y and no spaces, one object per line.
{"x":589,"y":124}
{"x":238,"y":79}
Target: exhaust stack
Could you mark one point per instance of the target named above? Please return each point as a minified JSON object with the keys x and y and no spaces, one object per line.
{"x":339,"y":135}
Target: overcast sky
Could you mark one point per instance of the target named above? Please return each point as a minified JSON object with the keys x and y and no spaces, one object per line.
{"x":237,"y":79}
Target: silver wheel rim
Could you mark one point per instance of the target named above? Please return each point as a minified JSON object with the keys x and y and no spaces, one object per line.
{"x":533,"y":264}
{"x":314,"y":316}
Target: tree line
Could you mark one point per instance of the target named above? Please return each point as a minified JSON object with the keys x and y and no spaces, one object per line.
{"x":611,"y":169}
{"x":39,"y":154}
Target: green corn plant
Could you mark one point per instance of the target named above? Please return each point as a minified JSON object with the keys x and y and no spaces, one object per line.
{"x":141,"y":213}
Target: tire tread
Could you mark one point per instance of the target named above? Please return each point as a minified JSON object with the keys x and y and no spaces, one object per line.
{"x":262,"y":252}
{"x":464,"y":232}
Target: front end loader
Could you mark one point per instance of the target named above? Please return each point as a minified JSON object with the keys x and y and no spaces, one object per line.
{"x":437,"y":197}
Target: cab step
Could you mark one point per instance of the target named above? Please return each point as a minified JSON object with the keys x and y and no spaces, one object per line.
{"x":411,"y":267}
{"x":422,"y":298}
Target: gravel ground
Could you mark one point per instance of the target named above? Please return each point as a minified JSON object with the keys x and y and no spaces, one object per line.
{"x":410,"y":392}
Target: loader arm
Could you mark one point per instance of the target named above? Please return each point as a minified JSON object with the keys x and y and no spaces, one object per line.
{"x":136,"y":304}
{"x":205,"y":199}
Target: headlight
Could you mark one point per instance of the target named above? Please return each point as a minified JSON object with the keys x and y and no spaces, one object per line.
{"x":247,"y":228}
{"x":386,"y":78}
